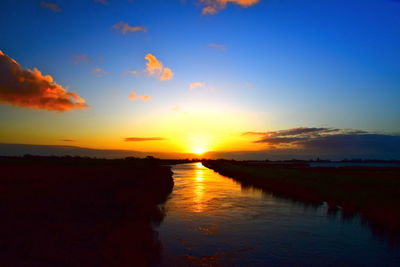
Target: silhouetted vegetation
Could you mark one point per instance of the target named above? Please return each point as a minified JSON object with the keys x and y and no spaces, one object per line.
{"x":74,"y":211}
{"x":372,"y":192}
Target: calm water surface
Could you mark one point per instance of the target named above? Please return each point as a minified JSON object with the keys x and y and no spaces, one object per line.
{"x":212,"y":221}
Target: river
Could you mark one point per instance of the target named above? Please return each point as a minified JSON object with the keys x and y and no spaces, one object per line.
{"x":212,"y":221}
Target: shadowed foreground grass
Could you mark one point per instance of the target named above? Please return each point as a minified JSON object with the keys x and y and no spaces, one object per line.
{"x":80,"y":212}
{"x":372,"y":192}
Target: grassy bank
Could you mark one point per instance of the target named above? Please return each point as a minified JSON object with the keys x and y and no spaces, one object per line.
{"x":80,"y":211}
{"x":373,"y":192}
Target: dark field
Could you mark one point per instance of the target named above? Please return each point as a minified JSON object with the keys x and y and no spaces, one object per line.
{"x":372,"y":192}
{"x":81,"y":212}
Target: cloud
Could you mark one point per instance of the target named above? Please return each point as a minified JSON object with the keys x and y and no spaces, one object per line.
{"x":103,"y":2}
{"x":195,"y":85}
{"x":31,"y":89}
{"x":329,"y":143}
{"x":219,"y":47}
{"x":214,"y":6}
{"x":249,"y":84}
{"x":132,"y":72}
{"x":167,"y":74}
{"x":155,"y":68}
{"x":141,"y":139}
{"x":326,"y":140}
{"x":153,"y":65}
{"x":133,"y":96}
{"x":300,"y":136}
{"x":80,"y":58}
{"x":126,"y":28}
{"x":52,"y":6}
{"x":99,"y":72}
{"x":67,"y":140}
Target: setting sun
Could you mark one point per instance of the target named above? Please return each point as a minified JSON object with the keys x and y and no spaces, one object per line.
{"x":199,"y":151}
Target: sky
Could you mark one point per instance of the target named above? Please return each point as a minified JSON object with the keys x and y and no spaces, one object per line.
{"x":312,"y":77}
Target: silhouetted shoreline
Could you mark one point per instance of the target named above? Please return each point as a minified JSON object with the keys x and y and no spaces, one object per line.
{"x":372,"y":192}
{"x":74,"y":211}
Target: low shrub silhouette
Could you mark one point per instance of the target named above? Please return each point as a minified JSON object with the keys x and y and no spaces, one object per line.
{"x":80,"y":211}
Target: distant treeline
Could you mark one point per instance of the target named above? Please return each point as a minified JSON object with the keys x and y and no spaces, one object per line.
{"x":317,"y":160}
{"x":149,"y":160}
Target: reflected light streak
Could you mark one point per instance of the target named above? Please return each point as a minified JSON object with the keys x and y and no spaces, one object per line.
{"x":199,"y":188}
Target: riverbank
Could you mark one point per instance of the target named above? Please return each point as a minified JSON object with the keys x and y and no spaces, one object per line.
{"x":372,"y":192}
{"x":80,"y":211}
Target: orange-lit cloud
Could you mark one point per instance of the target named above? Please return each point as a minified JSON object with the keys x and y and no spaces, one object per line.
{"x":153,"y":64}
{"x":99,"y":72}
{"x":155,"y":68}
{"x":214,"y":6}
{"x":126,"y":28}
{"x":134,"y":96}
{"x":195,"y":85}
{"x":141,"y":139}
{"x":31,"y":89}
{"x":67,"y":140}
{"x":167,"y":74}
{"x":52,"y":6}
{"x":219,"y":47}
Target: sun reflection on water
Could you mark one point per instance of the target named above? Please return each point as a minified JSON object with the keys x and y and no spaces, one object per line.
{"x":198,"y":188}
{"x":205,"y":191}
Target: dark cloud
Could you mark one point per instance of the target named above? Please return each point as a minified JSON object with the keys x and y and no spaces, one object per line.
{"x":332,"y":143}
{"x":140,"y":139}
{"x":299,"y":135}
{"x":31,"y":89}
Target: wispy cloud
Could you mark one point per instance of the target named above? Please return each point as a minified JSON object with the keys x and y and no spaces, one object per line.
{"x":125,"y":28}
{"x":134,"y":96}
{"x":80,"y":58}
{"x":219,"y":47}
{"x":99,"y":72}
{"x":249,"y":84}
{"x":132,"y":72}
{"x":141,"y":139}
{"x":212,"y":7}
{"x":67,"y":140}
{"x":103,"y":2}
{"x":31,"y":89}
{"x":52,"y":6}
{"x":195,"y":85}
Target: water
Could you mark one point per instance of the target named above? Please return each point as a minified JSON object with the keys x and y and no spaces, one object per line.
{"x":212,"y":221}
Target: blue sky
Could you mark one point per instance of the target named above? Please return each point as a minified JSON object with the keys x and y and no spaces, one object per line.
{"x":284,"y":64}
